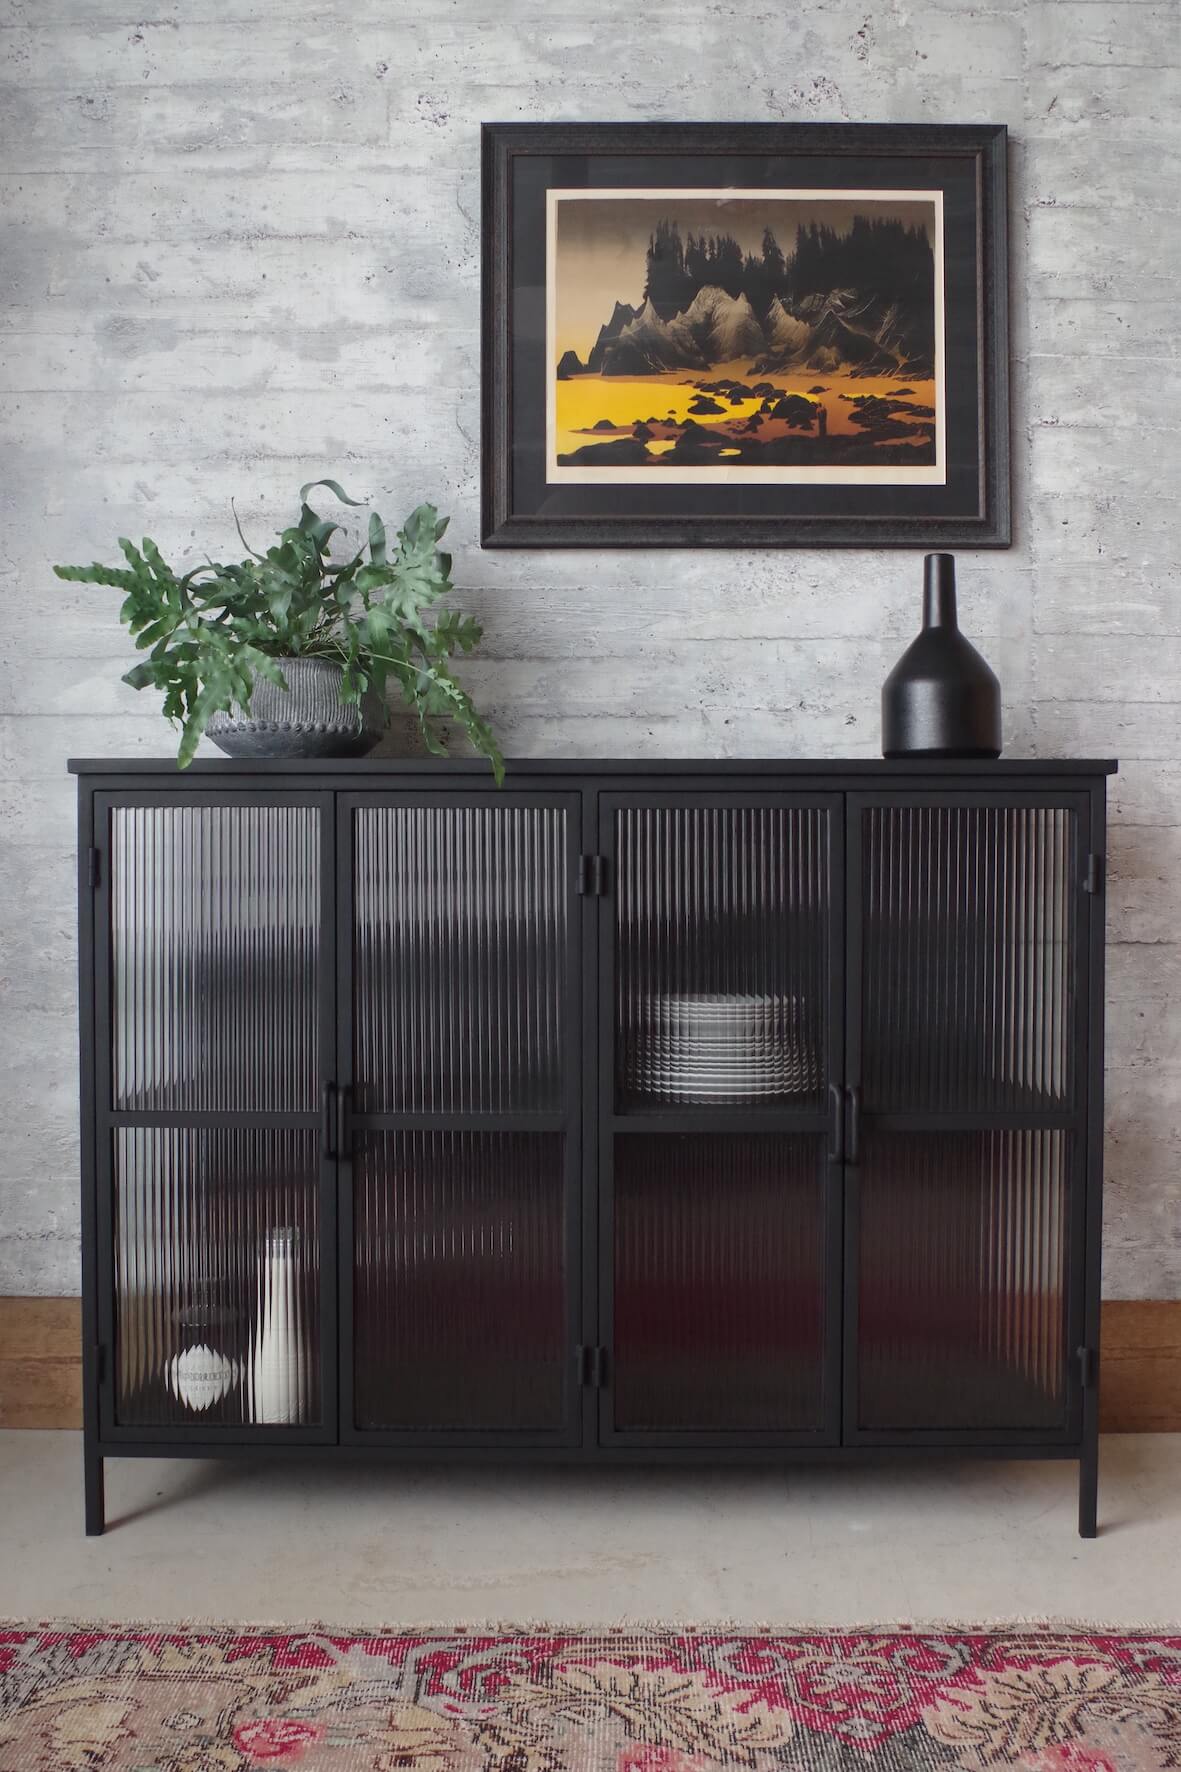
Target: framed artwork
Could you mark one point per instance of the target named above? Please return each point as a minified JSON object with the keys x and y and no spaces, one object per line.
{"x":743,"y":335}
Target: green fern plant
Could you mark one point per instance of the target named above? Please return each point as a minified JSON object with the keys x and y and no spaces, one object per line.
{"x":210,"y":632}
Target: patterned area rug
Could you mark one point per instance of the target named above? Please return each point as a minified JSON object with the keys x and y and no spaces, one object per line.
{"x":174,"y":1699}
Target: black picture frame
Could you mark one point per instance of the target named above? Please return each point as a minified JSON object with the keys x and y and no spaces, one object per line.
{"x":521,"y":160}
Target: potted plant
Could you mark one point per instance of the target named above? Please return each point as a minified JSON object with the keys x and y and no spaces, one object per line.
{"x":289,"y":653}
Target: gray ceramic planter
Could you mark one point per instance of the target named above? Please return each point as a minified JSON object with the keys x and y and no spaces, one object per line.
{"x":307,"y":719}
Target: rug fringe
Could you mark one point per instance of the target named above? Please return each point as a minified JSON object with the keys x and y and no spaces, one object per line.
{"x":620,"y":1629}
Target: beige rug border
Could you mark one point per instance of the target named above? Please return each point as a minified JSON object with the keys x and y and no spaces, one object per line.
{"x":621,"y":1629}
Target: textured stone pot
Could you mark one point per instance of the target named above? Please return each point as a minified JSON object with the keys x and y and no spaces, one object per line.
{"x":307,"y":719}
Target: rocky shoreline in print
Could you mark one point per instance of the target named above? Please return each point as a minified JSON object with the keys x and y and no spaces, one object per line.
{"x":764,"y":422}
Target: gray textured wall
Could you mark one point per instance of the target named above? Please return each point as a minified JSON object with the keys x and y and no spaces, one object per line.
{"x":242,"y":250}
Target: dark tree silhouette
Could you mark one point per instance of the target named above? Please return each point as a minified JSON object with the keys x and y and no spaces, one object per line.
{"x":886,"y":256}
{"x":880,"y":257}
{"x":666,"y":283}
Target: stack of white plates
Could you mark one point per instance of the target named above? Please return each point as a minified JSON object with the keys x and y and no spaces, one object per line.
{"x":713,"y":1047}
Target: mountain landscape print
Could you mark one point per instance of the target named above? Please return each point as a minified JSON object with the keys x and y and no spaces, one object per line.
{"x":763,"y":336}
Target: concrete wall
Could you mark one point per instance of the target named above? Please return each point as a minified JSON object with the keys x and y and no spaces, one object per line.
{"x":242,"y":250}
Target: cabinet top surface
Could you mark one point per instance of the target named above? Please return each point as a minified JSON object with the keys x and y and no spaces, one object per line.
{"x":377,"y":769}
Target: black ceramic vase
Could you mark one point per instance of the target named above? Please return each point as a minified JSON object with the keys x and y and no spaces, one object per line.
{"x":941,"y":699}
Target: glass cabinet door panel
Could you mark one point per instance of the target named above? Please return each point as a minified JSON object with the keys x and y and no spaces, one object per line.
{"x":969,"y":962}
{"x":962,"y":1279}
{"x":217,"y":1277}
{"x":459,"y":959}
{"x":215,"y":957}
{"x":460,"y":1311}
{"x":722,"y":932}
{"x":719,"y":1282}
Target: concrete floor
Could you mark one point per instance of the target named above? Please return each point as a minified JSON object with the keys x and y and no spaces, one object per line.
{"x":371,"y":1545}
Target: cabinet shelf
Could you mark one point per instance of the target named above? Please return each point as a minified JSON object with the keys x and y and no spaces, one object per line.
{"x":728,"y":1119}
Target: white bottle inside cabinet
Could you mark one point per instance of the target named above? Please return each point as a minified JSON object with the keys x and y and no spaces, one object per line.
{"x":278,"y":1374}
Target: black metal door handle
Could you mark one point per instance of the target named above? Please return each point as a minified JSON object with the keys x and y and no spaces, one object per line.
{"x":853,"y":1140}
{"x":344,"y":1121}
{"x":836,"y":1135}
{"x":327,"y":1119}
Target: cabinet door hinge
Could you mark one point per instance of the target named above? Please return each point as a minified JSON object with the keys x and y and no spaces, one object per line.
{"x":1093,"y":878}
{"x":592,"y":876}
{"x":1088,"y":1367}
{"x":94,"y":867}
{"x":591,"y":1365}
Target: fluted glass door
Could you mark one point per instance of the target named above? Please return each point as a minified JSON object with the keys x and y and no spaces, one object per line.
{"x":966,"y":1068}
{"x":721,"y":1026}
{"x":460,"y":991}
{"x":215,"y":1036}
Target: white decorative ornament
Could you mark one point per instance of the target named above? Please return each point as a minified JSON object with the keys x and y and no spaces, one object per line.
{"x":200,"y":1377}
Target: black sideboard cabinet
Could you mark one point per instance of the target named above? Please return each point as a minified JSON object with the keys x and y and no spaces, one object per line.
{"x":630,"y":1112}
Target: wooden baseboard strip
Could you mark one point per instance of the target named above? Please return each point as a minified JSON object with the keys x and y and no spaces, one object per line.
{"x":40,"y":1362}
{"x":1140,"y":1369}
{"x":1140,"y":1375}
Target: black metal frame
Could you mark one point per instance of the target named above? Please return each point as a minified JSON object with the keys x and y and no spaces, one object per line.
{"x":982,"y":146}
{"x":107,"y":1119}
{"x":613,"y":1122}
{"x":566,"y":1122}
{"x":1071,"y":1120}
{"x":592,"y":790}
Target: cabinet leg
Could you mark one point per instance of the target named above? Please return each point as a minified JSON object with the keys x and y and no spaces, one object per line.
{"x":1088,"y":1491}
{"x":95,"y":1500}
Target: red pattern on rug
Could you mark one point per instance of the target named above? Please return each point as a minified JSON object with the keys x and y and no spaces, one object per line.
{"x":140,"y":1699}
